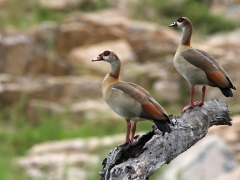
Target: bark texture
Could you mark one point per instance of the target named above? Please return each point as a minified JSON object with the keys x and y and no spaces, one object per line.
{"x":152,"y":150}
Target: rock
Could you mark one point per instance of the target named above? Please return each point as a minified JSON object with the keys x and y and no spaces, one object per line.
{"x":230,"y":8}
{"x":15,"y":88}
{"x":58,"y":89}
{"x":58,"y":67}
{"x":227,"y":42}
{"x":231,"y":135}
{"x":208,"y":159}
{"x":46,"y":61}
{"x":44,"y":34}
{"x":90,"y":109}
{"x":87,"y":145}
{"x":81,"y":58}
{"x":83,"y":109}
{"x":155,"y":41}
{"x":21,"y":54}
{"x":167,"y":91}
{"x":30,"y":54}
{"x":233,"y":175}
{"x":88,"y":28}
{"x":147,"y":40}
{"x":4,"y":3}
{"x":57,"y":165}
{"x":15,"y":54}
{"x":68,"y":159}
{"x":68,"y":87}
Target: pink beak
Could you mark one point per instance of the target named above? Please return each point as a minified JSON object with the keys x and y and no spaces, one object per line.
{"x":99,"y":58}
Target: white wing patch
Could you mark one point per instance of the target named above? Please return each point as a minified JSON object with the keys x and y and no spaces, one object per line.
{"x":117,"y":89}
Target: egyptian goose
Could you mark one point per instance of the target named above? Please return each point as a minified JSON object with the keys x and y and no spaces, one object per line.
{"x":197,"y":66}
{"x":129,"y":100}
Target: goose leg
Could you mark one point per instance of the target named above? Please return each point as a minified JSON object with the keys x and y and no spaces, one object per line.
{"x":127,"y":141}
{"x":133,"y":131}
{"x":191,"y":105}
{"x":200,"y":103}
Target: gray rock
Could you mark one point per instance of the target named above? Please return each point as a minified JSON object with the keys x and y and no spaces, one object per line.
{"x":208,"y":159}
{"x":233,"y":175}
{"x":231,"y":135}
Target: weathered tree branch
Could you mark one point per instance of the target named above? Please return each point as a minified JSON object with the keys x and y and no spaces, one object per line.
{"x":152,"y":150}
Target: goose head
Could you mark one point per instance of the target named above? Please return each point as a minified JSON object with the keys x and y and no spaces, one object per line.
{"x":108,"y":56}
{"x":181,"y":22}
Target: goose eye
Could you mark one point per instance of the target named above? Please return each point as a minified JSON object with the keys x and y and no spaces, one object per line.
{"x":106,"y":53}
{"x":180,"y":19}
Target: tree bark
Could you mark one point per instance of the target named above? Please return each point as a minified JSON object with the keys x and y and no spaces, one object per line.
{"x":152,"y":150}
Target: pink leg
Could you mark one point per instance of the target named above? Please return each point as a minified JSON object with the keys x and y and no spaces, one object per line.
{"x":133,"y":131}
{"x":191,"y":105}
{"x":202,"y":99}
{"x":127,"y":141}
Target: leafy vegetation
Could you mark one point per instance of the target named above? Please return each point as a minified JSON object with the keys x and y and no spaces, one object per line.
{"x":198,"y":11}
{"x":25,"y":14}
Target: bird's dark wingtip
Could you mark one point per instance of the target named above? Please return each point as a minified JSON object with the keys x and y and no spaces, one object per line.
{"x":163,"y":126}
{"x":227,"y":92}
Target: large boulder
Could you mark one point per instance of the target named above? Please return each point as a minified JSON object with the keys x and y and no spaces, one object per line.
{"x":148,"y":40}
{"x":18,"y":55}
{"x":15,"y":54}
{"x":233,"y":175}
{"x":230,"y":9}
{"x":208,"y":159}
{"x":43,"y":39}
{"x":30,"y":54}
{"x":67,"y":159}
{"x":231,"y":135}
{"x":56,"y":89}
{"x":88,"y":28}
{"x":81,"y":57}
{"x":94,"y":109}
{"x":63,"y":88}
{"x":156,"y":40}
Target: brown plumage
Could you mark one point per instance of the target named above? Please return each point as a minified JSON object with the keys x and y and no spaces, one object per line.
{"x":129,"y":100}
{"x":197,"y":66}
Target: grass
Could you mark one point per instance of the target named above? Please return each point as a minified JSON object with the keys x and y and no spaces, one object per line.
{"x":18,"y":134}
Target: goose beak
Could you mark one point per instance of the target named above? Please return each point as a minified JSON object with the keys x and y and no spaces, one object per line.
{"x":99,"y":58}
{"x":173,"y":24}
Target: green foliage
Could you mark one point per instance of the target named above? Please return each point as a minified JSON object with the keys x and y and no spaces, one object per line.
{"x":22,"y":15}
{"x":8,"y":170}
{"x":25,"y":14}
{"x":92,"y":5}
{"x":197,"y":11}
